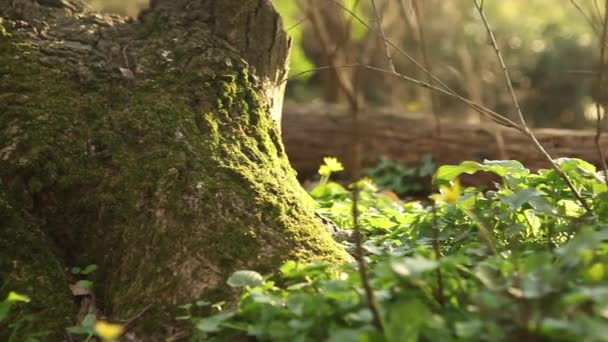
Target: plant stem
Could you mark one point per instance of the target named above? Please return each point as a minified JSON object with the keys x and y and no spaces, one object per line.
{"x":437,"y":248}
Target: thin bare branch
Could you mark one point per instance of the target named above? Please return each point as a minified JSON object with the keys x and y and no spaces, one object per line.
{"x":500,"y":119}
{"x":596,"y":5}
{"x":526,"y":129}
{"x":586,"y":17}
{"x":494,"y":44}
{"x":347,"y":31}
{"x":378,"y":17}
{"x":445,"y":88}
{"x":492,"y":115}
{"x":393,"y":45}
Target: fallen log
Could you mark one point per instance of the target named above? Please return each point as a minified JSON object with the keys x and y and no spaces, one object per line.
{"x":312,"y":132}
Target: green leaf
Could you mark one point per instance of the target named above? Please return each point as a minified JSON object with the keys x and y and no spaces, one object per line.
{"x":89,"y":320}
{"x":468,"y":329}
{"x":596,"y":272}
{"x":504,"y":167}
{"x":405,"y":320}
{"x":212,"y":324}
{"x":381,"y":222}
{"x":85,"y":284}
{"x":289,"y":268}
{"x":329,"y":190}
{"x":448,"y":173}
{"x":343,"y":335}
{"x":16,"y":297}
{"x":574,"y":164}
{"x":245,"y":278}
{"x":408,"y":267}
{"x":80,"y":330}
{"x":521,"y":197}
{"x":266,"y":298}
{"x":4,"y":309}
{"x":89,"y":269}
{"x":202,"y":303}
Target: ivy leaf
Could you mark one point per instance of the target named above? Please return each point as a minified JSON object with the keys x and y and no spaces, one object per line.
{"x":521,"y":197}
{"x":447,"y":173}
{"x":245,"y":278}
{"x":574,"y":164}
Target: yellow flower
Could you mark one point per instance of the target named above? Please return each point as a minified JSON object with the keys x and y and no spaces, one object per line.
{"x":366,"y":184}
{"x":324,"y":171}
{"x":108,"y":331}
{"x":449,"y":194}
{"x":333,"y":164}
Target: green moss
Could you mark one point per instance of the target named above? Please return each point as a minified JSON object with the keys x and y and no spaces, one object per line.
{"x":168,"y":183}
{"x":28,"y":266}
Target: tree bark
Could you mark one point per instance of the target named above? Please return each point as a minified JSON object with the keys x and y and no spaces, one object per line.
{"x":313,"y":132}
{"x":146,"y":147}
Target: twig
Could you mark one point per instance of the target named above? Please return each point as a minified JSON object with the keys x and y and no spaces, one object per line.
{"x":498,"y":118}
{"x":347,"y":31}
{"x":492,"y":115}
{"x":585,"y":16}
{"x":526,"y":129}
{"x":132,"y":320}
{"x":301,"y":21}
{"x":387,"y":49}
{"x":502,"y":62}
{"x":445,"y":89}
{"x":393,"y":45}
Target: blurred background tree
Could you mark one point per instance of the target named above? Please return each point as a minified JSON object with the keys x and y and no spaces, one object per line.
{"x":550,"y":48}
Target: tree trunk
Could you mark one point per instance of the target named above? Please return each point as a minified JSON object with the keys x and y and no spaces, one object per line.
{"x":146,"y":147}
{"x":313,"y":132}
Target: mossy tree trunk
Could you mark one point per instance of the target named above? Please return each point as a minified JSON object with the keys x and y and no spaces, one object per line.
{"x":146,"y":147}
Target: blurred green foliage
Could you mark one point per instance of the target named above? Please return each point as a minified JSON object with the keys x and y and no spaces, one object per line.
{"x":404,"y":180}
{"x":522,"y":262}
